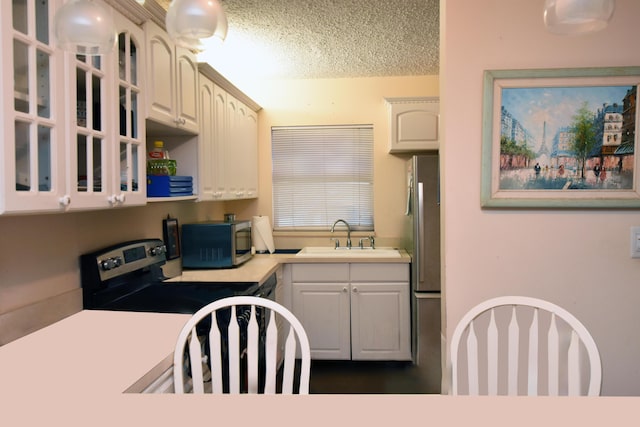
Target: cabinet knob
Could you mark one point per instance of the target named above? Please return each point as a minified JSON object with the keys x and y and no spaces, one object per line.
{"x":119,"y":198}
{"x":355,"y":290}
{"x":65,"y":200}
{"x":344,"y":289}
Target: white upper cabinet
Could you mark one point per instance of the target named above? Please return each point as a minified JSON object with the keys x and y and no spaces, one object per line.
{"x":414,"y":124}
{"x":105,"y":163}
{"x":105,"y":144}
{"x":89,"y":131}
{"x":207,"y":154}
{"x":172,"y":82}
{"x":130,"y":165}
{"x":228,"y":153}
{"x":241,"y":150}
{"x":32,"y":178}
{"x":72,"y":128}
{"x":248,"y":143}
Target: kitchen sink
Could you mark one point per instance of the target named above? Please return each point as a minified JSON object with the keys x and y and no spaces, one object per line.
{"x":343,"y":252}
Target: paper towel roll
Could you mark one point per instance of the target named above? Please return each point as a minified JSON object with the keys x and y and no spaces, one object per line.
{"x":261,"y":234}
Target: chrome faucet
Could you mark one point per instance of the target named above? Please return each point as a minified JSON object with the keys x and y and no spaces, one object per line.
{"x":348,"y":231}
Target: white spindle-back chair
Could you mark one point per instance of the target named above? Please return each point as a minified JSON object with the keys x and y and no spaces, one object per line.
{"x":244,"y":366}
{"x":520,"y":331}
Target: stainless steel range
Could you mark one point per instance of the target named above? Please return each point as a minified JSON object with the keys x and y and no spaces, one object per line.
{"x":129,"y":277}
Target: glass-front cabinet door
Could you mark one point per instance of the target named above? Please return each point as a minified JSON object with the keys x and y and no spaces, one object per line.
{"x":72,"y":133}
{"x":107,"y":156}
{"x":32,"y":109}
{"x":88,"y":160}
{"x":130,"y":170}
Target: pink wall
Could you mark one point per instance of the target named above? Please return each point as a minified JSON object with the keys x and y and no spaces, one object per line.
{"x":578,"y":259}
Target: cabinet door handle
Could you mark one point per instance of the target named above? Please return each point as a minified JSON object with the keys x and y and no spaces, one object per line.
{"x":65,"y":200}
{"x":344,"y":289}
{"x":355,"y":290}
{"x":113,"y":199}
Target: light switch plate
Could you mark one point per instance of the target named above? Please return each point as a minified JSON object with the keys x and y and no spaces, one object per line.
{"x":635,"y":242}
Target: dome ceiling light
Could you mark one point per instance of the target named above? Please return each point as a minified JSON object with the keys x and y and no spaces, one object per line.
{"x":190,"y":22}
{"x":577,"y":16}
{"x":84,"y":27}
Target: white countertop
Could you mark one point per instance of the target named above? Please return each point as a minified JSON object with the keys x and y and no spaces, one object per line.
{"x":74,"y":372}
{"x":261,"y":266}
{"x":99,"y":351}
{"x":257,"y":269}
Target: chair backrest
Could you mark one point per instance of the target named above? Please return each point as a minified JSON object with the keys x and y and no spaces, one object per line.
{"x":520,"y":331}
{"x":239,"y":341}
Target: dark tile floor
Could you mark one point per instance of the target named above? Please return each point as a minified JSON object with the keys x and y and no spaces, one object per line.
{"x":371,"y":377}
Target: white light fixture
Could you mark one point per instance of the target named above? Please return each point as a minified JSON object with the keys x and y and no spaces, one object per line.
{"x":85,"y":27}
{"x":577,"y":16}
{"x":194,"y":43}
{"x":188,"y":22}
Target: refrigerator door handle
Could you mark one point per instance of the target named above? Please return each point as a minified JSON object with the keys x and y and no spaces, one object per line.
{"x":420,"y":214}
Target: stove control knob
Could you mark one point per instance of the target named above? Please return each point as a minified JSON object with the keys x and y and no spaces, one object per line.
{"x":111,"y":263}
{"x":158,"y":250}
{"x":107,"y":264}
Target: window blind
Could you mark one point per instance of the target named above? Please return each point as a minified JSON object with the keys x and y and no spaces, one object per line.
{"x":321,"y":174}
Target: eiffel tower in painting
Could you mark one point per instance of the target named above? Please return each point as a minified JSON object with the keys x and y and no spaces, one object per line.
{"x":544,"y":150}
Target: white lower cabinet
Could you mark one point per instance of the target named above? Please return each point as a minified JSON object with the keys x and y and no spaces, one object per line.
{"x":354,"y":311}
{"x":380,"y":321}
{"x":324,"y":311}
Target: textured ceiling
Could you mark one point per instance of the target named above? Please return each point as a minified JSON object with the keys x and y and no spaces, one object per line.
{"x":341,"y":38}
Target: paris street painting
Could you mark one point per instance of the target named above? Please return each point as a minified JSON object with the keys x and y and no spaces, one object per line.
{"x":560,"y":138}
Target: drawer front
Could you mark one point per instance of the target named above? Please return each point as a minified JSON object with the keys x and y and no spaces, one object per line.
{"x":320,"y":272}
{"x":370,"y":272}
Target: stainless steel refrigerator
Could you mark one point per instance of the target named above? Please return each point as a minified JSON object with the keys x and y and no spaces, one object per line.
{"x":422,"y":242}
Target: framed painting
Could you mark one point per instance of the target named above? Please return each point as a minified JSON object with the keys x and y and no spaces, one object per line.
{"x":171,"y":235}
{"x":560,"y":138}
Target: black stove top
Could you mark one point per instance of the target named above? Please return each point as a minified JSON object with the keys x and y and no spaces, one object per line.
{"x":129,"y":277}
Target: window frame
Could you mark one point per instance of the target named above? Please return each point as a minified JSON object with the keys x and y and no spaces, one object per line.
{"x":352,"y":171}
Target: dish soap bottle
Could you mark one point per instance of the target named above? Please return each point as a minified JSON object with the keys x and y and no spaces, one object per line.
{"x":158,"y":151}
